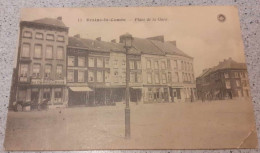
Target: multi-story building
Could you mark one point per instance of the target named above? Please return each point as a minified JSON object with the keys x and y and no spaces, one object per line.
{"x":41,"y":62}
{"x":227,"y":80}
{"x":167,"y":71}
{"x":77,"y":71}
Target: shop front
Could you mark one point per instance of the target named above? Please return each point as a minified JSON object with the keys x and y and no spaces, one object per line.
{"x":54,"y":96}
{"x":79,"y":96}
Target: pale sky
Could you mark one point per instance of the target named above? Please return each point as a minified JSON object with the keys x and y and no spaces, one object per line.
{"x":196,"y":29}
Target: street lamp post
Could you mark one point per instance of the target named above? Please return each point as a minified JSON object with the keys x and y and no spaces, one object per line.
{"x":127,"y":40}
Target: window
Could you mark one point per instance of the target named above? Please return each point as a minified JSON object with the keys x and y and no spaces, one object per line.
{"x":149,"y":78}
{"x":99,"y":76}
{"x":228,"y":86}
{"x":81,"y":75}
{"x":36,"y":70}
{"x":90,"y":76}
{"x":107,"y":62}
{"x":60,"y":52}
{"x":81,"y":61}
{"x":236,"y":75}
{"x":116,"y":76}
{"x":175,"y":64}
{"x":238,"y":83}
{"x":132,"y":77}
{"x":47,"y":72}
{"x":188,"y":77}
{"x":116,"y":62}
{"x":59,"y":71}
{"x":107,"y":74}
{"x":168,"y":64}
{"x":70,"y":75}
{"x":139,"y":77}
{"x":27,"y":34}
{"x":177,"y":77}
{"x":157,"y":80}
{"x":38,"y":35}
{"x":226,"y":75}
{"x":148,"y":64}
{"x":24,"y":70}
{"x":123,"y":62}
{"x":182,"y":65}
{"x":91,"y":61}
{"x":164,"y":80}
{"x":26,"y":50}
{"x":246,"y":92}
{"x":156,"y":65}
{"x":47,"y":93}
{"x":99,"y":62}
{"x":244,"y":83}
{"x":123,"y":76}
{"x":71,"y":60}
{"x":139,"y":66}
{"x":38,"y":51}
{"x":60,"y":38}
{"x":132,"y":65}
{"x":50,"y":37}
{"x":57,"y":95}
{"x":170,"y":76}
{"x":163,"y":65}
{"x":49,"y":51}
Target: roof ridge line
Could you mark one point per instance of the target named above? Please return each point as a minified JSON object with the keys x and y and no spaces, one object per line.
{"x":157,"y":47}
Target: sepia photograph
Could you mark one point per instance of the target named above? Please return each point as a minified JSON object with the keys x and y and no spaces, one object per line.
{"x":130,"y":78}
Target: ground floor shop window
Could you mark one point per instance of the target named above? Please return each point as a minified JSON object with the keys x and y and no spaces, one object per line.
{"x":47,"y":94}
{"x":57,"y":95}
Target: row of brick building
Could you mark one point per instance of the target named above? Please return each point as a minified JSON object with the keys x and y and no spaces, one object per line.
{"x":70,"y":71}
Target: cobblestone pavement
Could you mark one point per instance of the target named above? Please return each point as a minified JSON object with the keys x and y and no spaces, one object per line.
{"x":153,"y":126}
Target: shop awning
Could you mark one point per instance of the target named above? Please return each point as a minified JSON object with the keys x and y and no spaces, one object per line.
{"x":80,"y":89}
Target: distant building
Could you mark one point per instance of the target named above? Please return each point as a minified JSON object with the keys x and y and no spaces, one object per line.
{"x":227,"y":80}
{"x":41,"y":62}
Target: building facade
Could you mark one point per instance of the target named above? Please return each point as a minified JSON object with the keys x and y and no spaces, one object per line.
{"x":168,"y":74}
{"x":41,"y":62}
{"x":71,"y":71}
{"x":227,"y":80}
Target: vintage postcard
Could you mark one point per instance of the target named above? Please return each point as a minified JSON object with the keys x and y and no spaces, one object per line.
{"x":130,"y":78}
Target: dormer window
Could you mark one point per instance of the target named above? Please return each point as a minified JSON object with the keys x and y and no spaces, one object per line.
{"x":39,"y":35}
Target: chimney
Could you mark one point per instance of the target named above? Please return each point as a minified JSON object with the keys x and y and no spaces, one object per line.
{"x":98,"y":38}
{"x":59,"y":18}
{"x":158,"y":38}
{"x":173,"y":42}
{"x":77,"y":35}
{"x":113,"y":41}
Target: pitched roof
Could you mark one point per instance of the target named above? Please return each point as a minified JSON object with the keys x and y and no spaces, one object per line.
{"x":145,"y":46}
{"x":169,"y":48}
{"x":140,"y":46}
{"x":226,"y":64}
{"x":50,"y":21}
{"x":97,"y":45}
